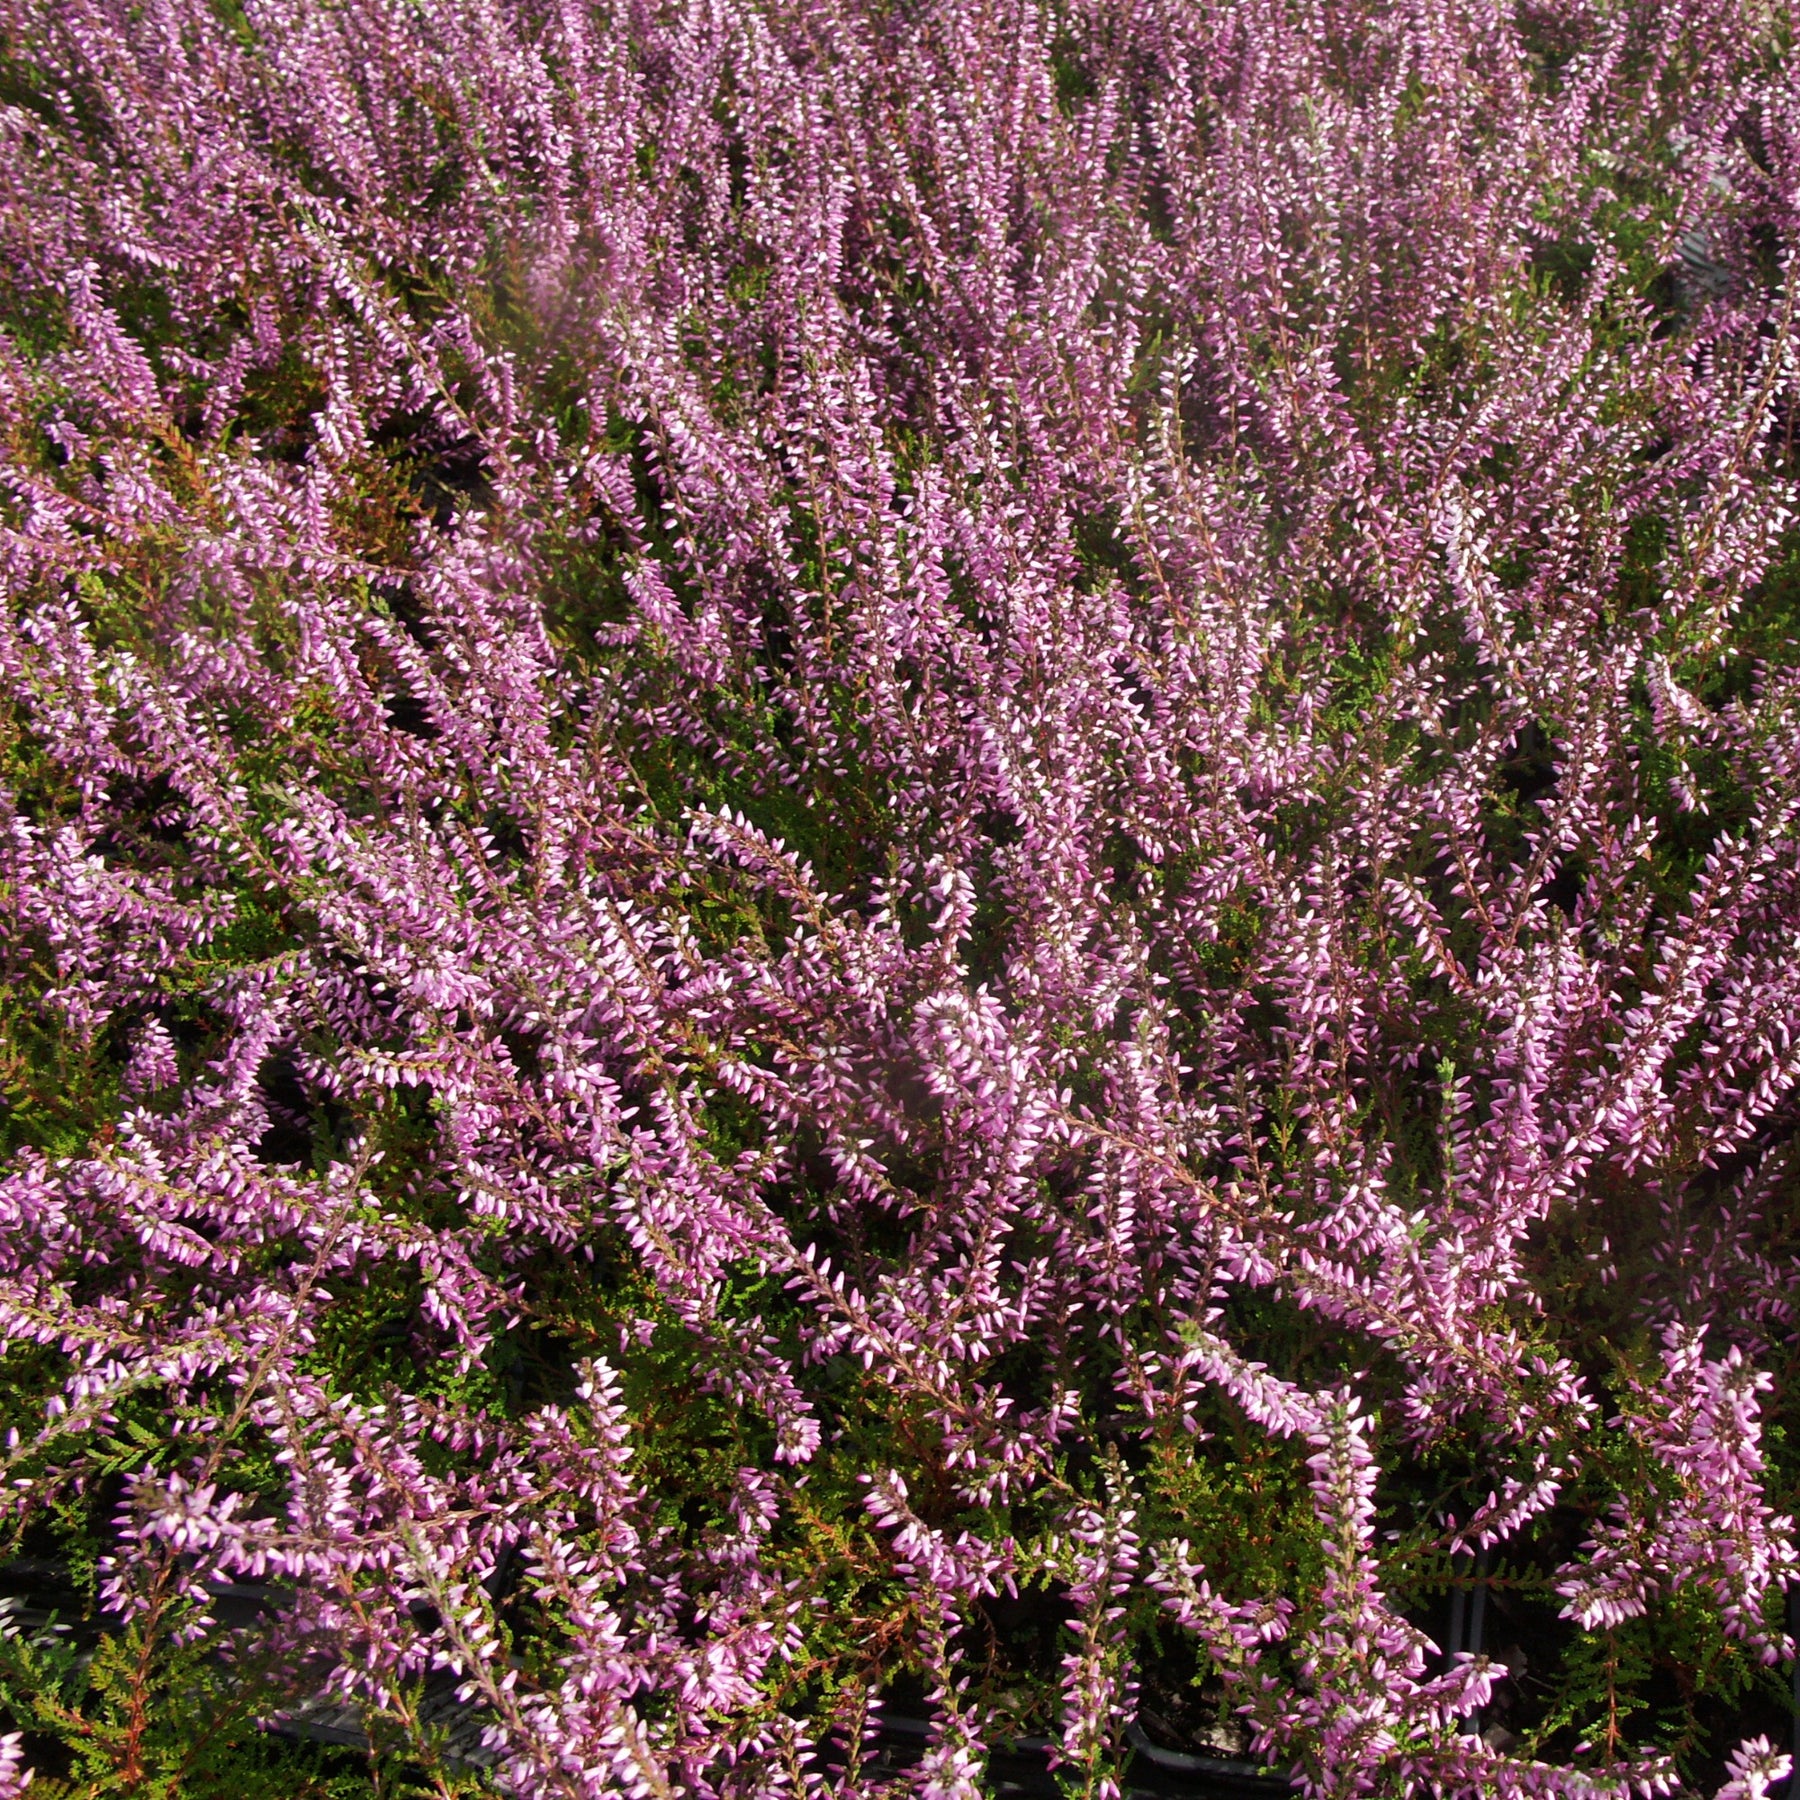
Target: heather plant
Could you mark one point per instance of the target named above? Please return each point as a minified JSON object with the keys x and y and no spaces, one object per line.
{"x":920,"y":855}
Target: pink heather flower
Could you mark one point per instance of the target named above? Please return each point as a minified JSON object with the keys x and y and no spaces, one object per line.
{"x":1035,"y":731}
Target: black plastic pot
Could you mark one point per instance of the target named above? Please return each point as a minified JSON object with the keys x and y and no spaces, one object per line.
{"x":33,"y":1593}
{"x":1021,"y":1766}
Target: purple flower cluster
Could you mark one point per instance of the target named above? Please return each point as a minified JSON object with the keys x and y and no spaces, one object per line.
{"x":1029,"y":734}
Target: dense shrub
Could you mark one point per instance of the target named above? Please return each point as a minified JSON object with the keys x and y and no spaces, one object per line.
{"x":899,"y":852}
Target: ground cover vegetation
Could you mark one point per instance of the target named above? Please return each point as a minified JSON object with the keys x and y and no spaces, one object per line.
{"x":917,"y":853}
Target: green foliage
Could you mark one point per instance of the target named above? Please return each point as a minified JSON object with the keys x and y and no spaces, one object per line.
{"x":135,"y":1712}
